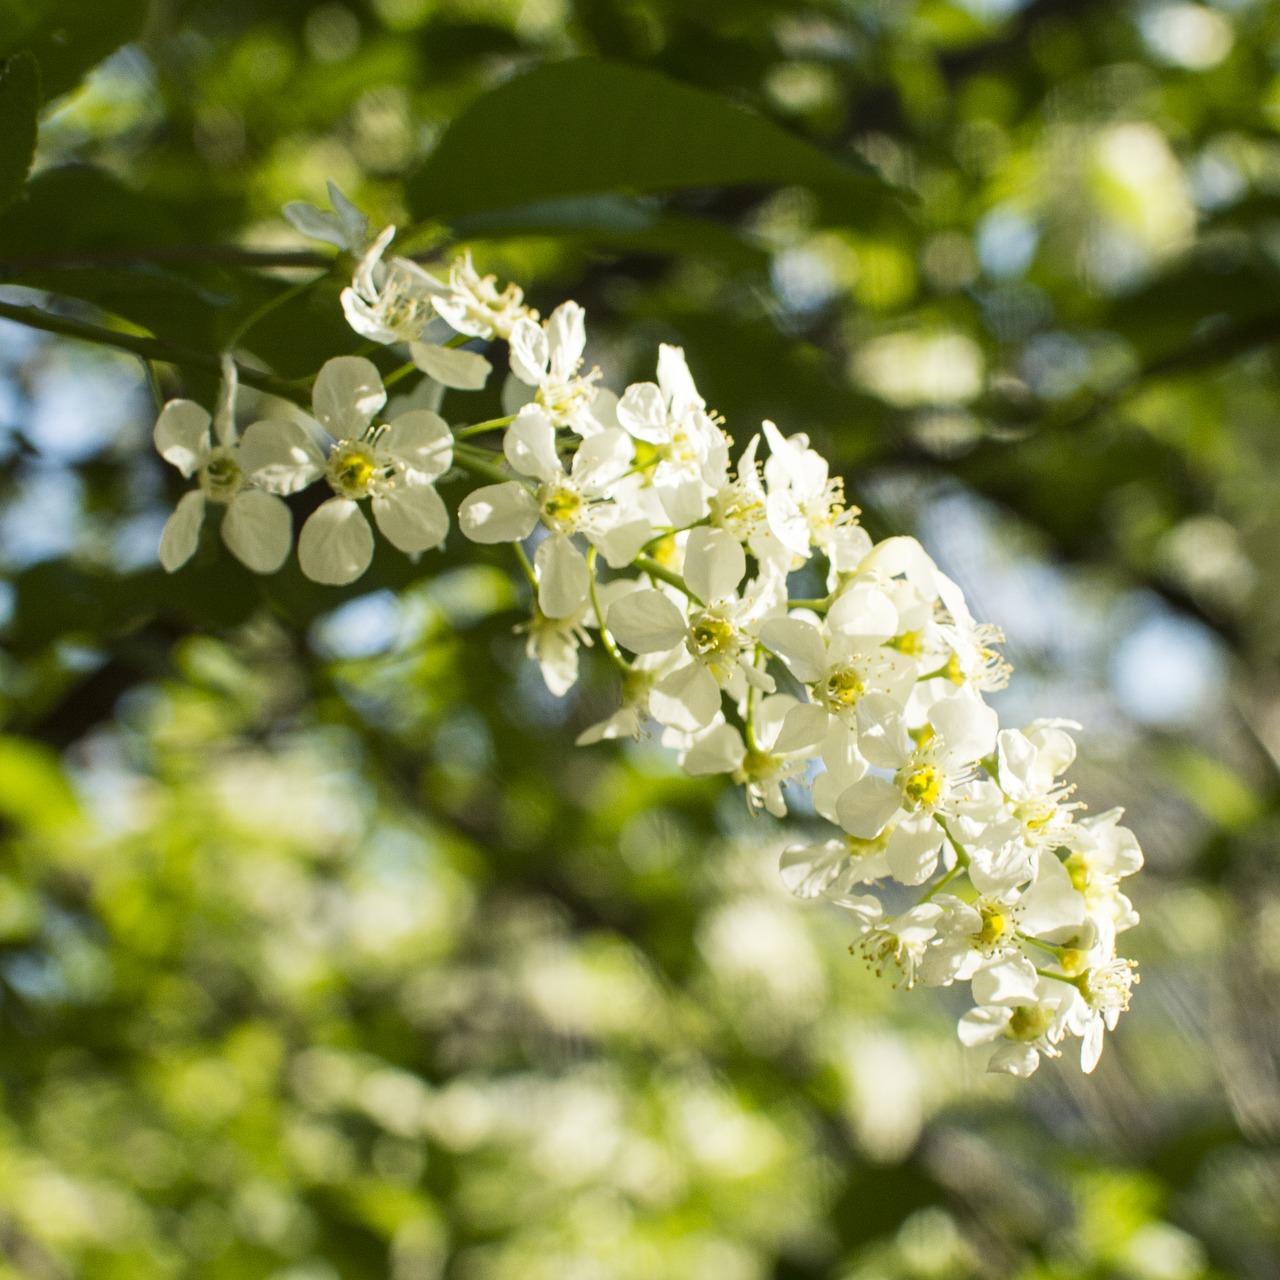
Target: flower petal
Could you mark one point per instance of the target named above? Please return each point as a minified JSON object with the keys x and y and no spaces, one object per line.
{"x":181,"y":435}
{"x":982,"y":1025}
{"x":646,"y":621}
{"x":336,"y":543}
{"x":498,"y":513}
{"x":421,"y":441}
{"x":412,"y":517}
{"x":181,"y":533}
{"x":642,"y":412}
{"x":258,"y":530}
{"x":530,"y":445}
{"x":621,"y":544}
{"x":688,"y":698}
{"x":719,"y":751}
{"x":564,"y":580}
{"x":566,"y":338}
{"x":676,"y":381}
{"x":315,"y":223}
{"x":714,"y":564}
{"x":799,"y":644}
{"x":865,"y":807}
{"x":451,"y":366}
{"x":348,"y":391}
{"x":280,"y":455}
{"x":529,"y":351}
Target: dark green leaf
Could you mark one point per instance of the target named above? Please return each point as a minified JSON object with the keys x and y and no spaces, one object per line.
{"x":19,"y":110}
{"x":588,"y":125}
{"x":75,"y":234}
{"x":68,"y":36}
{"x":617,"y":220}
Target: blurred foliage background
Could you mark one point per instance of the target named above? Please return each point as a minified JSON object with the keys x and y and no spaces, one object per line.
{"x":323,"y":953}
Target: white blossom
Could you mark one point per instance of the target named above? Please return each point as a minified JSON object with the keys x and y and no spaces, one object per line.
{"x":346,"y":227}
{"x":392,"y":465}
{"x":547,"y":357}
{"x":256,"y":526}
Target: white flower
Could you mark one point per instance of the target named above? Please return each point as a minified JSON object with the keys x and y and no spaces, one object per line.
{"x":547,"y":357}
{"x":805,"y":505}
{"x":974,"y":659}
{"x":567,"y":503}
{"x":1030,"y":1014}
{"x":256,"y":527}
{"x":962,"y":730}
{"x":1101,"y":854}
{"x":717,"y":635}
{"x":474,"y":305}
{"x":390,"y":302}
{"x":783,"y":739}
{"x":691,"y":460}
{"x":393,"y":465}
{"x":1106,"y":990}
{"x":845,"y":658}
{"x":345,"y":228}
{"x":738,"y":506}
{"x":901,"y":941}
{"x":1028,"y":768}
{"x":553,"y":644}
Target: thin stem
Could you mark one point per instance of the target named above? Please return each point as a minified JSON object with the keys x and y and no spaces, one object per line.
{"x":666,"y":533}
{"x":933,"y":675}
{"x":942,"y":884}
{"x":749,"y":720}
{"x":523,"y":556}
{"x":476,"y":461}
{"x":229,"y":254}
{"x":138,"y":345}
{"x":610,"y":645}
{"x":402,"y":372}
{"x":266,"y":309}
{"x":962,"y":857}
{"x":818,"y":606}
{"x":480,"y":428}
{"x":656,"y":570}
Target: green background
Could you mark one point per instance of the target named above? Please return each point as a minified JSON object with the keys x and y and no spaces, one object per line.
{"x":323,"y":952}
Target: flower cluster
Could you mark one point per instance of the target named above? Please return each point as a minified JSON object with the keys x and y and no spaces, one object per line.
{"x":954,"y":844}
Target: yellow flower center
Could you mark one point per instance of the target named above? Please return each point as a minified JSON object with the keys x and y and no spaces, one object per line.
{"x":843,"y":688}
{"x":352,"y":469}
{"x":923,"y":786}
{"x":909,"y":642}
{"x":561,"y":508}
{"x":755,"y":765}
{"x":1029,"y":1022}
{"x":712,"y":636}
{"x":994,"y":924}
{"x":1078,"y":869}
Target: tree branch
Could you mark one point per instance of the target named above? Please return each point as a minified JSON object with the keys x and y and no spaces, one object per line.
{"x":139,"y":345}
{"x":226,"y":254}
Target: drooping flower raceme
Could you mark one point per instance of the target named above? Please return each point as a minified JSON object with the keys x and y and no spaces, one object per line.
{"x":640,"y":541}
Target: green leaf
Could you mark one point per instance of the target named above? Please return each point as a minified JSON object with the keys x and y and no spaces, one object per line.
{"x":19,"y":112}
{"x":621,"y":221}
{"x":73,"y":234}
{"x":588,"y":125}
{"x":68,"y":37}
